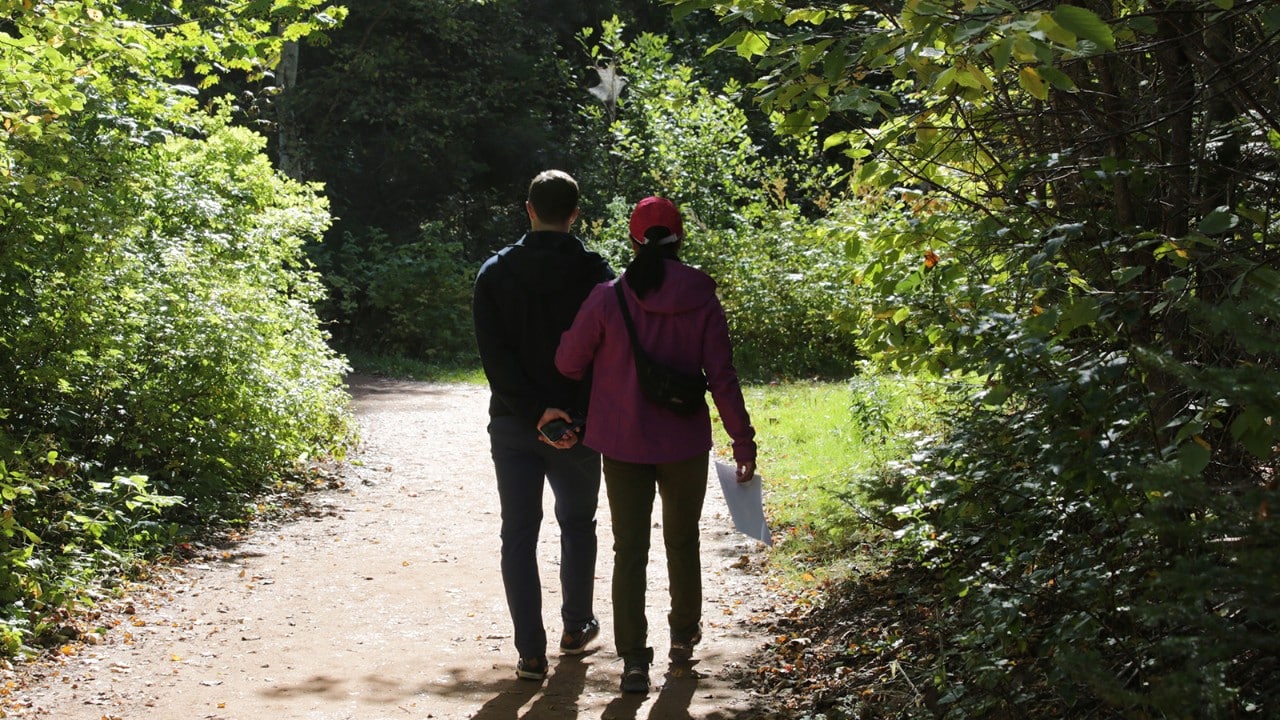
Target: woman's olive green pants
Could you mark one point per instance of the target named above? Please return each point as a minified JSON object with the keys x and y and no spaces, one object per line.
{"x":631,"y":488}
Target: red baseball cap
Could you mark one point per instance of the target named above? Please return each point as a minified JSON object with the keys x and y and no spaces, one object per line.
{"x":656,"y":212}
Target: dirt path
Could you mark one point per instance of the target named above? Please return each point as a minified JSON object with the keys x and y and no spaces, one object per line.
{"x":387,"y":603}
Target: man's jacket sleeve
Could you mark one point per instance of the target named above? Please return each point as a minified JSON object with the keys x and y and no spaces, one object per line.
{"x":507,"y":379}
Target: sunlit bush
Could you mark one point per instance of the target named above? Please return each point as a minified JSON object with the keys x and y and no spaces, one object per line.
{"x":161,"y":358}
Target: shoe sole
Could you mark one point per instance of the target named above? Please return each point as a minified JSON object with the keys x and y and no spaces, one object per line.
{"x":580,"y":649}
{"x":577,"y":651}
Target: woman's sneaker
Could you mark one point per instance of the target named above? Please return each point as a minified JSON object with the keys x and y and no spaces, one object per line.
{"x":635,"y":678}
{"x":576,"y":642}
{"x":682,"y":648}
{"x":531,"y":668}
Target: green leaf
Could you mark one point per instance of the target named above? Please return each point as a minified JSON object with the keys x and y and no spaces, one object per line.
{"x":1253,"y":215}
{"x":752,"y":44}
{"x":1031,"y":81}
{"x":1271,"y":19}
{"x":1219,"y":221}
{"x":1078,"y":313}
{"x":1252,"y":429}
{"x":807,"y":15}
{"x":835,"y":139}
{"x":1056,"y":32}
{"x":1123,"y":276}
{"x":1194,"y":457}
{"x":996,"y":395}
{"x":1058,"y":79}
{"x":973,"y":77}
{"x":682,"y":10}
{"x":1085,"y":24}
{"x":1001,"y":52}
{"x":945,"y":79}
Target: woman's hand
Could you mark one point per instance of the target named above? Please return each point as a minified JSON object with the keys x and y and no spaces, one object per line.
{"x":746,"y":471}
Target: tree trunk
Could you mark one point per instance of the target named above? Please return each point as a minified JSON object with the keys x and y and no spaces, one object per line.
{"x":290,"y":157}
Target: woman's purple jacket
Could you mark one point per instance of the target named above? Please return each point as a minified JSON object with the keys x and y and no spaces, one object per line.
{"x":681,"y":324}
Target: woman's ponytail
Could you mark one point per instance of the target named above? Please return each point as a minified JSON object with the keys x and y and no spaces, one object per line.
{"x":647,"y":270}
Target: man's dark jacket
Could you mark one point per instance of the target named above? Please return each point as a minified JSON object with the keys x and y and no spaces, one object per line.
{"x":526,"y":296}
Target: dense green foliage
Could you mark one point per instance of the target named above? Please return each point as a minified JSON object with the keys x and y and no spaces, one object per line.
{"x":160,"y":357}
{"x":409,"y":299}
{"x":1075,"y":206}
{"x":426,"y":120}
{"x":425,"y":127}
{"x":672,"y":132}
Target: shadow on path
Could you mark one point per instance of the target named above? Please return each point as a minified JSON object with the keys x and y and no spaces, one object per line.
{"x":366,"y":386}
{"x":559,"y":699}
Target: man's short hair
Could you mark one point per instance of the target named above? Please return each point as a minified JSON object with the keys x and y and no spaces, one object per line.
{"x":554,"y":196}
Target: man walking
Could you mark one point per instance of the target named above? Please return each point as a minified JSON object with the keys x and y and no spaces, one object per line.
{"x":526,"y":295}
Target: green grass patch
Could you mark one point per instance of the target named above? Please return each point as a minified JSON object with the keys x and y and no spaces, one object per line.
{"x":827,"y":451}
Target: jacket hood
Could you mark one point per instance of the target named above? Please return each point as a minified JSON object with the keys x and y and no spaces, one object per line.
{"x":547,"y":258}
{"x":682,"y":290}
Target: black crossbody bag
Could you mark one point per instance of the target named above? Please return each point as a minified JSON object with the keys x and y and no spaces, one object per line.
{"x":675,"y":390}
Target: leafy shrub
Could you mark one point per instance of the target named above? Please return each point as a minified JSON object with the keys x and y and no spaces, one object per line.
{"x":61,"y":534}
{"x":779,"y":276}
{"x":1105,"y":540}
{"x":411,"y":299}
{"x":782,"y":282}
{"x":161,"y":357}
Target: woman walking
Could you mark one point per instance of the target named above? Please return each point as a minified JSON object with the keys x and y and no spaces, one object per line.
{"x":647,"y":448}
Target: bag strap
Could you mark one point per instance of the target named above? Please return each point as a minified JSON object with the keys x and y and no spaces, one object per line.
{"x":626,"y":317}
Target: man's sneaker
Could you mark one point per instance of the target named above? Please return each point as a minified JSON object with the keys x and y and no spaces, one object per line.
{"x":635,"y":678}
{"x":532,"y":668}
{"x":682,"y":648}
{"x":576,"y":642}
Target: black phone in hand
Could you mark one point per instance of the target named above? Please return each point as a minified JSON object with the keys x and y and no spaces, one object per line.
{"x":555,"y":430}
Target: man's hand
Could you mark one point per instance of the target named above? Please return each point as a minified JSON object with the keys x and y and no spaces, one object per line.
{"x":746,"y":471}
{"x":568,"y":440}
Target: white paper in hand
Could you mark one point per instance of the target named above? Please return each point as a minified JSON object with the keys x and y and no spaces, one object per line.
{"x":746,"y":505}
